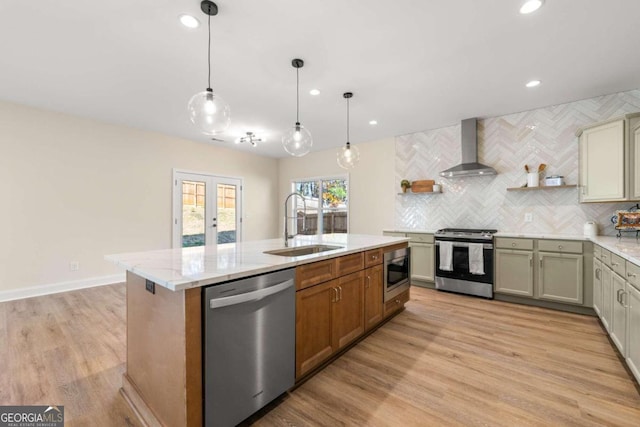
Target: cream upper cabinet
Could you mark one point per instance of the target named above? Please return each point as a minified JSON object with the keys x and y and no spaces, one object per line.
{"x":560,"y":277}
{"x":602,"y":163}
{"x":608,"y":161}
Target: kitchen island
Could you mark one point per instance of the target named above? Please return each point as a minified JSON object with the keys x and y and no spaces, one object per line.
{"x":163,"y":380}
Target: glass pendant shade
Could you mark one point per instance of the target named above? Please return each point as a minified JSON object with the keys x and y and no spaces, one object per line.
{"x":209,"y":112}
{"x":348,"y":156}
{"x":297,"y":140}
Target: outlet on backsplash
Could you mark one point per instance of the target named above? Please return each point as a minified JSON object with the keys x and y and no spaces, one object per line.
{"x":528,"y":217}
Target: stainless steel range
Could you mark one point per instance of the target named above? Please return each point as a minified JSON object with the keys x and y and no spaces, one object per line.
{"x":464,"y":261}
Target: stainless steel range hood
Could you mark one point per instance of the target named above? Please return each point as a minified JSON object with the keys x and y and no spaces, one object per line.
{"x":469,"y":165}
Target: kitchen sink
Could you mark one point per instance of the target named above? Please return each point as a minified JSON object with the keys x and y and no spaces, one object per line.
{"x":303,"y":250}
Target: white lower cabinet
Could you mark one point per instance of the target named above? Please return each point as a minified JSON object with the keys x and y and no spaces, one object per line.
{"x":514,"y":272}
{"x":618,"y":324}
{"x":607,"y":298}
{"x":597,"y":286}
{"x":633,"y":330}
{"x":560,"y":277}
{"x":422,"y":261}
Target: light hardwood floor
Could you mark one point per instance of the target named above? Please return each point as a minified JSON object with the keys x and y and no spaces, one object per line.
{"x":446,"y":360}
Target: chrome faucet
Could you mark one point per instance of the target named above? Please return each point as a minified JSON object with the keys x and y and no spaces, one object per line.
{"x":286,"y":217}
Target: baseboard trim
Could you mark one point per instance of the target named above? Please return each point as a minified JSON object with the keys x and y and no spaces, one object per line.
{"x":54,"y":288}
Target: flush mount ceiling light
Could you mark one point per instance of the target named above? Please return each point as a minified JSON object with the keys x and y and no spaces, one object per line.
{"x":314,"y":92}
{"x":530,"y":6}
{"x":297,"y":140}
{"x":348,"y":156}
{"x":251,"y":138}
{"x":373,"y":122}
{"x":533,"y":83}
{"x":207,"y":110}
{"x":189,"y":21}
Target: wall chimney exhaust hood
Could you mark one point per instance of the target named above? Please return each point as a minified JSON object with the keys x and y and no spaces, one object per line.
{"x":469,"y":165}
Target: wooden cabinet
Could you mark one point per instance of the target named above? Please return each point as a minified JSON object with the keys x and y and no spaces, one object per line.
{"x":618,"y":329}
{"x":560,"y":277}
{"x":597,"y":286}
{"x":317,"y":272}
{"x":422,"y":257}
{"x":314,"y":333}
{"x":514,"y":272}
{"x":633,"y":330}
{"x":373,"y":257}
{"x":608,"y":160}
{"x":349,"y":264}
{"x":395,"y":304}
{"x":348,"y":308}
{"x":373,"y":296}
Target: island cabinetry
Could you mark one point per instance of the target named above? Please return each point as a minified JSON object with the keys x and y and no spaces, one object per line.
{"x":314,"y":273}
{"x":349,"y":264}
{"x":373,"y":257}
{"x":373,"y":296}
{"x":348,"y":308}
{"x":394,"y":305}
{"x":514,"y":266}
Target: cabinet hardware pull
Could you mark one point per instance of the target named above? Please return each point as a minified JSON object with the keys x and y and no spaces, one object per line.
{"x":625,"y":304}
{"x":597,"y":273}
{"x":513,"y":245}
{"x":340,"y":288}
{"x":631,"y":274}
{"x":540,"y":262}
{"x":368,"y":282}
{"x":618,"y":296}
{"x":603,"y":256}
{"x":397,"y":301}
{"x":614,"y":263}
{"x":560,"y":247}
{"x":335,"y":291}
{"x":530,"y":261}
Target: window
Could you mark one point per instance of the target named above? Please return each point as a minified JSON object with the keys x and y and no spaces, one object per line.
{"x":327,"y":205}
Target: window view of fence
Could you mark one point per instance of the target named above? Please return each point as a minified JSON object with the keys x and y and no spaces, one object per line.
{"x":327,"y":206}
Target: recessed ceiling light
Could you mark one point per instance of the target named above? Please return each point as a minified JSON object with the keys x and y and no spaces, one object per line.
{"x":314,"y":92}
{"x":531,"y":6}
{"x":373,"y":122}
{"x":533,"y":83}
{"x":189,"y":21}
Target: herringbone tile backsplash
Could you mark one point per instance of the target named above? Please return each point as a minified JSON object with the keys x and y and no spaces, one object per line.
{"x":507,"y":143}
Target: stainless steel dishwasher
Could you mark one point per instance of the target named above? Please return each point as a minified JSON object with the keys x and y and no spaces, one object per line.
{"x":249,"y":345}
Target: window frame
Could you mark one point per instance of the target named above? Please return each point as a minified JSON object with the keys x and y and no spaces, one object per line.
{"x":319,"y":180}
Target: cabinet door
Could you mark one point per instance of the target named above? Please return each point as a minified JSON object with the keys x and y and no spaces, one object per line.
{"x":597,"y":287}
{"x":314,"y":308}
{"x":514,"y":272}
{"x":560,"y":277}
{"x":619,"y":314}
{"x":348,"y":311}
{"x":373,"y":297}
{"x":422,"y":261}
{"x":633,"y":330}
{"x":607,"y":298}
{"x":602,"y":163}
{"x":635,"y":167}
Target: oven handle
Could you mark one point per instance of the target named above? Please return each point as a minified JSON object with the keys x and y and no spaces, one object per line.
{"x":466,"y":245}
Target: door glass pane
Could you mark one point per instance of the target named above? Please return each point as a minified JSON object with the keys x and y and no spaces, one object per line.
{"x":193,"y":213}
{"x":334,"y":204}
{"x":226,"y":218}
{"x":306,"y":224}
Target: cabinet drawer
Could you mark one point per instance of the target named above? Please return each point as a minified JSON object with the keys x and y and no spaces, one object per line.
{"x":396,"y":304}
{"x":597,"y":252}
{"x":567,"y":246}
{"x":349,"y":264}
{"x":633,"y":274}
{"x":373,"y":257}
{"x":618,"y":264}
{"x":420,"y":237}
{"x":317,"y":272}
{"x":605,"y":257}
{"x":511,"y":243}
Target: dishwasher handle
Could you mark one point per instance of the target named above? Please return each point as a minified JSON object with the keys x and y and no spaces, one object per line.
{"x":250,"y":296}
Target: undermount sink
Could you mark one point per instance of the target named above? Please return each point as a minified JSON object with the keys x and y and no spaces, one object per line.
{"x":303,"y":250}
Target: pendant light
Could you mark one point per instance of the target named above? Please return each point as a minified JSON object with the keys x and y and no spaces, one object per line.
{"x":207,"y":110}
{"x":349,"y":155}
{"x":297,"y":140}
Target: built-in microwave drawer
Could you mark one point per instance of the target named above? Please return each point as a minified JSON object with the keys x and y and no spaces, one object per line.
{"x":568,"y":246}
{"x":512,"y":243}
{"x":420,"y":237}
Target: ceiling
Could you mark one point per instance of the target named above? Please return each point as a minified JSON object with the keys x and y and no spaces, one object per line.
{"x":411,"y":64}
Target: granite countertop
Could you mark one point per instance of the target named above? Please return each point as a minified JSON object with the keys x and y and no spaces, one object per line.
{"x":184,"y":268}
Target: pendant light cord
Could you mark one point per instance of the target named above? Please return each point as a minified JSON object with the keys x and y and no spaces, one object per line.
{"x":209,"y":52}
{"x":297,"y":95}
{"x":347,"y":120}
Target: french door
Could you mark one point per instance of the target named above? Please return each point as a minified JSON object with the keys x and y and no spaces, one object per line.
{"x":207,"y":209}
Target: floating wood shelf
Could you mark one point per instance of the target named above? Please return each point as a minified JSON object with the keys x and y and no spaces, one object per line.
{"x":545,"y":187}
{"x":411,"y":193}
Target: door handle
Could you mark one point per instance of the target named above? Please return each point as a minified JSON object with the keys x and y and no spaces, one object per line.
{"x":618,"y":296}
{"x":598,"y":273}
{"x":335,"y":295}
{"x":368,"y":285}
{"x":624,"y":304}
{"x":215,"y":223}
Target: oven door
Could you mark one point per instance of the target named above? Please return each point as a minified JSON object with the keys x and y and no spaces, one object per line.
{"x":460,"y":263}
{"x":396,"y":272}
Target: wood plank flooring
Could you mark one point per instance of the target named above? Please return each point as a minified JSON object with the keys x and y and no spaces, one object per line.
{"x":446,"y":360}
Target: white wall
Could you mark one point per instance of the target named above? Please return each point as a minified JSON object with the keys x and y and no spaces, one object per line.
{"x":372,"y":189}
{"x":77,"y":189}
